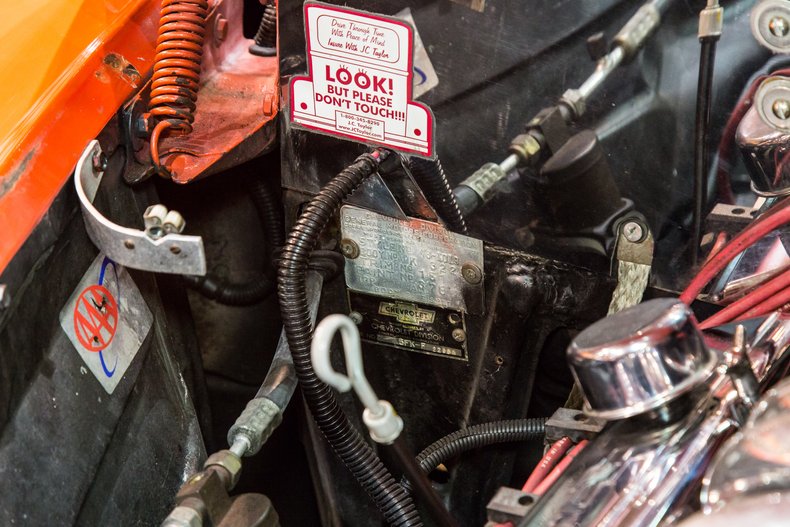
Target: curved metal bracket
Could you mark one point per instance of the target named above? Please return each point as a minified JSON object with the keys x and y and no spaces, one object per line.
{"x":172,"y":253}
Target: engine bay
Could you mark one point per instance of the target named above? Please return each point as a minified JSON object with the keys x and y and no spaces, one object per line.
{"x":452,"y":263}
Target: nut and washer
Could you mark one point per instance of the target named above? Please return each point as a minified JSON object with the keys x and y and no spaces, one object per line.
{"x":349,"y":248}
{"x":471,"y":273}
{"x":230,"y":462}
{"x":173,"y":223}
{"x":154,"y":218}
{"x":459,"y":335}
{"x":633,"y":232}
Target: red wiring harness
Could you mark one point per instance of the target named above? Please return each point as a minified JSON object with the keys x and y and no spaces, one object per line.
{"x":778,"y":216}
{"x":754,"y":304}
{"x":553,"y":464}
{"x":555,"y":474}
{"x":550,"y":459}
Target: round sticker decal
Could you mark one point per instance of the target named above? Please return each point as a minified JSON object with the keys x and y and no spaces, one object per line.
{"x":95,"y":318}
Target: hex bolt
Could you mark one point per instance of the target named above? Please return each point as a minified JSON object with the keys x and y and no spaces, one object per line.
{"x":779,"y":26}
{"x":5,"y":297}
{"x":173,"y":223}
{"x":459,"y":335}
{"x":633,"y":232}
{"x":220,"y":29}
{"x":356,"y":317}
{"x":98,"y":162}
{"x":154,"y":219}
{"x":471,"y":273}
{"x":349,"y":248}
{"x":781,"y":108}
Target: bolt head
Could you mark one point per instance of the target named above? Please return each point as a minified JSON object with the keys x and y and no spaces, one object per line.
{"x":5,"y":297}
{"x":349,"y":248}
{"x":781,"y":108}
{"x":220,"y":29}
{"x":472,"y":273}
{"x":779,"y":26}
{"x":633,"y":232}
{"x":173,"y":223}
{"x":459,"y":335}
{"x":99,"y":161}
{"x":356,"y":317}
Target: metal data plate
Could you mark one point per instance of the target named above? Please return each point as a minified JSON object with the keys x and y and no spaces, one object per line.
{"x":413,"y":260}
{"x":410,"y":326}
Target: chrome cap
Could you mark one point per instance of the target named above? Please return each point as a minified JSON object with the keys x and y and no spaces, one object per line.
{"x":639,"y":359}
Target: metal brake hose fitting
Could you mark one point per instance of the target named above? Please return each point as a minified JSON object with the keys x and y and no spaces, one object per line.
{"x":529,"y":147}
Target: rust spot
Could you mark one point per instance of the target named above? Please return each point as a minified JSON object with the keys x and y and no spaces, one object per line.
{"x":122,"y":68}
{"x":8,"y":182}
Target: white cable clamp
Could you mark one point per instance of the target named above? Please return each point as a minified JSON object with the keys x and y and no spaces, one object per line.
{"x":379,"y":416}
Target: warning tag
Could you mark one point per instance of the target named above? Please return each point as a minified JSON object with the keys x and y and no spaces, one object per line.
{"x":107,"y":320}
{"x":359,"y":84}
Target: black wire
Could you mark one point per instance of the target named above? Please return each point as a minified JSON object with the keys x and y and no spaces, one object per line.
{"x":424,"y":491}
{"x":701,"y":131}
{"x":392,"y":500}
{"x":478,"y":436}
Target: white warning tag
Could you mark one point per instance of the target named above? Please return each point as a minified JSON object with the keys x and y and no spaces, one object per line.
{"x":359,"y":84}
{"x":107,"y":320}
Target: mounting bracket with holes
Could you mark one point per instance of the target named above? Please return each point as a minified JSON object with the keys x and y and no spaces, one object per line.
{"x":171,"y":253}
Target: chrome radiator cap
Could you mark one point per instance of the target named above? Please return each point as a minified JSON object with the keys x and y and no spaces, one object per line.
{"x":639,"y":359}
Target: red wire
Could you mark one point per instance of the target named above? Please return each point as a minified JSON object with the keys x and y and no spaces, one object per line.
{"x":550,"y":458}
{"x":765,"y":292}
{"x":721,"y":241}
{"x":778,"y":216}
{"x":768,"y":306}
{"x":555,"y":474}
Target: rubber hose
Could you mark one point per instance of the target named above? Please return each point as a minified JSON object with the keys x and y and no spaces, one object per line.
{"x":230,"y":294}
{"x":392,"y":500}
{"x":430,"y":176}
{"x":270,"y":212}
{"x":478,"y":436}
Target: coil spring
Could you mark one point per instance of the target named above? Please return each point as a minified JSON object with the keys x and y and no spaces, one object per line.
{"x":267,"y":32}
{"x":174,"y":86}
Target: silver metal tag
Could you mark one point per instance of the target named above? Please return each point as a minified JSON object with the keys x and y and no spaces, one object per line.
{"x":412,"y":260}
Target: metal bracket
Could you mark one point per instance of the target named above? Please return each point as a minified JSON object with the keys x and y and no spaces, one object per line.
{"x":172,"y":253}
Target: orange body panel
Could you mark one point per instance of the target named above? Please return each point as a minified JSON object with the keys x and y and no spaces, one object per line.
{"x":65,"y":68}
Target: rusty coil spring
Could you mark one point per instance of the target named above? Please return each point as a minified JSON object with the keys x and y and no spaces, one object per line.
{"x":174,"y":86}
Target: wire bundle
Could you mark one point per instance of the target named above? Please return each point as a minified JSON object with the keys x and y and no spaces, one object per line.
{"x":768,"y":297}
